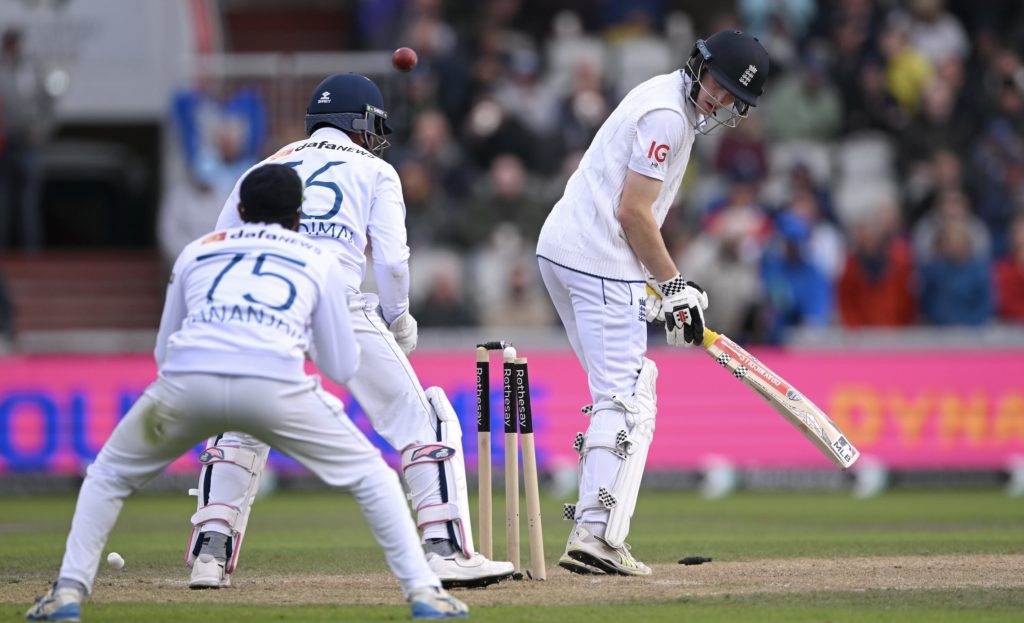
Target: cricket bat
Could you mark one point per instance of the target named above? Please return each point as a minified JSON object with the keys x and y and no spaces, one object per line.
{"x":791,"y":404}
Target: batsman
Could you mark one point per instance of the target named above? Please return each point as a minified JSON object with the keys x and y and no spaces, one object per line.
{"x":352,"y":197}
{"x":600,"y":248}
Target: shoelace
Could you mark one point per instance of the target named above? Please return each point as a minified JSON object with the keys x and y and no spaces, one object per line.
{"x":628,"y":555}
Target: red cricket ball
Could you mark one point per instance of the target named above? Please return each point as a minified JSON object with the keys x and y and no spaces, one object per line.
{"x":404,"y":59}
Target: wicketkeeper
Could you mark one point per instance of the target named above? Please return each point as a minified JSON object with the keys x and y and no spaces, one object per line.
{"x":353,"y":199}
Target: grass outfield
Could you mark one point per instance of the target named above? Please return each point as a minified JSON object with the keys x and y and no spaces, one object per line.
{"x":905,"y":556}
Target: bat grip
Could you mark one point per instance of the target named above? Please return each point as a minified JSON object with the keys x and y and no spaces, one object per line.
{"x":709,"y":337}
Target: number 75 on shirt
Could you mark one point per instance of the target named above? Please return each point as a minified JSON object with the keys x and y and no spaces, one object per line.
{"x":791,"y":404}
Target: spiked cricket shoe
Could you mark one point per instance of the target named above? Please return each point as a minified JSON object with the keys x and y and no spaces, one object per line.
{"x":457,"y":571}
{"x":596,"y":552}
{"x":572,"y":565}
{"x":436,"y":603}
{"x":208,"y":572}
{"x":63,"y":604}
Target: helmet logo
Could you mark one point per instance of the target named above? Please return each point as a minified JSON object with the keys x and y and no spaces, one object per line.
{"x":748,"y":75}
{"x":325,"y":98}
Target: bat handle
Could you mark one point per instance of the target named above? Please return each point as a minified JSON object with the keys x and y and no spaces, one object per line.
{"x":709,"y":337}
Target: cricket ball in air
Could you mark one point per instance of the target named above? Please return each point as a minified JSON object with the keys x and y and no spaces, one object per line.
{"x":404,"y":59}
{"x":114,"y":561}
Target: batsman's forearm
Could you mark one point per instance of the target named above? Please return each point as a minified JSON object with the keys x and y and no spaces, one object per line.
{"x":645,"y":239}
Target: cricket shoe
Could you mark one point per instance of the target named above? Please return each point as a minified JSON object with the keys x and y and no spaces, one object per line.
{"x":436,"y":603}
{"x":572,"y":565}
{"x":596,"y":552}
{"x":63,"y":604}
{"x":457,"y":571}
{"x":208,"y":572}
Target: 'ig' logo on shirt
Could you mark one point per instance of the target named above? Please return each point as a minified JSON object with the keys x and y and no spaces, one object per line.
{"x":658,"y":152}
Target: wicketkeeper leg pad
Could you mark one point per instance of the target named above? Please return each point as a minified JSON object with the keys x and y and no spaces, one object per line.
{"x":436,"y":475}
{"x":234,"y":518}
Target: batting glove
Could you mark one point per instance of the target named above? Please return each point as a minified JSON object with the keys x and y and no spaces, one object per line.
{"x":682,"y":308}
{"x":652,"y":304}
{"x":406,"y":331}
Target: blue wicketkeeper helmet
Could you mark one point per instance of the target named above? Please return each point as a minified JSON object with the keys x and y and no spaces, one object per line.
{"x":352,"y":103}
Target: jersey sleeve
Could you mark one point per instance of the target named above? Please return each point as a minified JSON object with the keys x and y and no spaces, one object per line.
{"x":386,"y":229}
{"x":659,"y":138}
{"x":336,"y":351}
{"x":175,"y":310}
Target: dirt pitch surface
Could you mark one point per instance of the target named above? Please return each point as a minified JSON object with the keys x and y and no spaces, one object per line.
{"x":668,"y":582}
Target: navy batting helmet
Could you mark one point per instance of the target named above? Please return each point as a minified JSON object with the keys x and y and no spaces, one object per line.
{"x":738,"y":62}
{"x":352,"y":103}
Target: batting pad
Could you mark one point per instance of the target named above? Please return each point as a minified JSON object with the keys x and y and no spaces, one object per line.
{"x":640,"y":414}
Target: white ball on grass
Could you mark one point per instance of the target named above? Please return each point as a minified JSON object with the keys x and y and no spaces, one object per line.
{"x":114,"y":561}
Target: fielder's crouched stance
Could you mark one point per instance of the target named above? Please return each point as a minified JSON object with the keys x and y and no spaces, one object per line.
{"x":242,"y":307}
{"x":353,"y":196}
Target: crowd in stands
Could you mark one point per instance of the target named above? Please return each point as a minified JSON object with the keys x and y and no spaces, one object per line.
{"x":880,"y":182}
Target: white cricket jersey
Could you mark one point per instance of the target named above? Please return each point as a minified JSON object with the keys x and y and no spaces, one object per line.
{"x":650,"y":132}
{"x":246,"y":301}
{"x":350,"y":196}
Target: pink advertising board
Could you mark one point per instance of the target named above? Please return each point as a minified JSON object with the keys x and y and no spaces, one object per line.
{"x":919,"y":410}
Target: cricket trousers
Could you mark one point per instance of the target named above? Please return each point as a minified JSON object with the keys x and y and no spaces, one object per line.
{"x":299,"y":419}
{"x":606,"y":324}
{"x":388,"y":390}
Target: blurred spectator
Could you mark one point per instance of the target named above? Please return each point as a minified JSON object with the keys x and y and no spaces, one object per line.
{"x":793,"y":16}
{"x":637,"y":51}
{"x":430,"y":217}
{"x":523,"y":304}
{"x":935,"y":126}
{"x":950,"y":206}
{"x":526,"y":95}
{"x":506,"y":195}
{"x":569,"y":48}
{"x":798,"y":291}
{"x":825,"y":241}
{"x":997,"y":170}
{"x":434,"y":147}
{"x":802,"y":180}
{"x":26,"y":117}
{"x":937,"y":34}
{"x":218,"y":141}
{"x":929,"y":180}
{"x":852,"y":27}
{"x":583,"y":109}
{"x":444,"y":305}
{"x":780,"y":24}
{"x":875,"y":288}
{"x":743,"y":151}
{"x":741,"y":192}
{"x":956,"y":283}
{"x":804,"y":104}
{"x":907,"y":72}
{"x":725,"y":261}
{"x":491,"y":132}
{"x":441,"y":79}
{"x":870,"y":105}
{"x":1010,"y":276}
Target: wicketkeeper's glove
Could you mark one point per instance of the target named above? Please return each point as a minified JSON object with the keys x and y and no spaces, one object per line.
{"x":406,"y":332}
{"x":680,"y":304}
